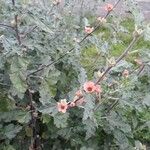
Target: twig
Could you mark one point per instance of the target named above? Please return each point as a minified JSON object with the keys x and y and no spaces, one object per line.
{"x":28,"y":32}
{"x":17,"y":31}
{"x":140,"y":70}
{"x":13,"y":2}
{"x":5,"y":25}
{"x":120,"y":58}
{"x":4,"y":84}
{"x":16,"y":25}
{"x":73,"y":47}
{"x":112,"y":106}
{"x":35,"y":138}
{"x":127,"y":49}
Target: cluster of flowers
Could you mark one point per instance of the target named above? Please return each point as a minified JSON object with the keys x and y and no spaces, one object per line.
{"x":88,"y":87}
{"x":108,"y":8}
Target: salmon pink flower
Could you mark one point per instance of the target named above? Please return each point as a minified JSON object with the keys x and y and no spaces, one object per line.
{"x":98,"y":89}
{"x":89,"y":87}
{"x":62,"y":106}
{"x":79,"y":93}
{"x":125,"y":73}
{"x":109,"y":7}
{"x":88,"y":29}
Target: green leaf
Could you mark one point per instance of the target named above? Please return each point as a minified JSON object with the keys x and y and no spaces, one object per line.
{"x":9,"y":147}
{"x":16,"y":115}
{"x":90,"y":127}
{"x":40,"y":23}
{"x":48,"y":87}
{"x":118,"y":122}
{"x":121,"y":140}
{"x":11,"y":130}
{"x":18,"y":73}
{"x":82,"y":77}
{"x":60,"y":120}
{"x":50,"y":108}
{"x":24,"y":117}
{"x":6,"y":103}
{"x":147,"y":32}
{"x":86,"y":22}
{"x":88,"y":116}
{"x":29,"y":131}
{"x":146,"y":100}
{"x":88,"y":107}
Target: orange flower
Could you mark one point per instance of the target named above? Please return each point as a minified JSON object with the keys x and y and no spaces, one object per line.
{"x":79,"y":93}
{"x":88,"y":29}
{"x":62,"y":106}
{"x":109,"y":7}
{"x":89,"y":87}
{"x":98,"y":89}
{"x":125,"y":73}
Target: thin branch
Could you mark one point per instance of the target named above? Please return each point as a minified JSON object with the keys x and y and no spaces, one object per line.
{"x":112,"y":106}
{"x":34,"y":138}
{"x":120,"y":58}
{"x":30,"y":30}
{"x":4,"y":84}
{"x":99,"y":24}
{"x":13,"y":2}
{"x":16,"y":29}
{"x":5,"y":25}
{"x":16,"y":25}
{"x":127,"y":49}
{"x":141,"y":69}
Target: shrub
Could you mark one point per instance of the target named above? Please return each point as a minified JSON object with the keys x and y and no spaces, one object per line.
{"x":70,"y":80}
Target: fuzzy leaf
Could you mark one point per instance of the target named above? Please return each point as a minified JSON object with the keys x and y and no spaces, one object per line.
{"x":11,"y":130}
{"x":60,"y":120}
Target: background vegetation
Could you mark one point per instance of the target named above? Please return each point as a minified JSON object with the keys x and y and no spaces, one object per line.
{"x":46,"y":56}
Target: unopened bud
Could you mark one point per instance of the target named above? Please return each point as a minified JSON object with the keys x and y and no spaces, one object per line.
{"x":111,"y":62}
{"x":125,"y":73}
{"x":13,"y":23}
{"x":101,"y":19}
{"x":138,"y":31}
{"x":35,"y":114}
{"x":99,"y":74}
{"x":56,"y":2}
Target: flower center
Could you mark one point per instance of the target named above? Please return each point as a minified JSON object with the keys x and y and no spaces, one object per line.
{"x":89,"y":88}
{"x":62,"y":107}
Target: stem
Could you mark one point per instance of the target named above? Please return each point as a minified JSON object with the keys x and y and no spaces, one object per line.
{"x":17,"y":31}
{"x":127,"y":49}
{"x":120,"y":58}
{"x":141,"y":69}
{"x":83,"y":39}
{"x":13,"y":2}
{"x":28,"y":32}
{"x":5,"y":25}
{"x":112,"y":106}
{"x":16,"y":25}
{"x":34,"y":139}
